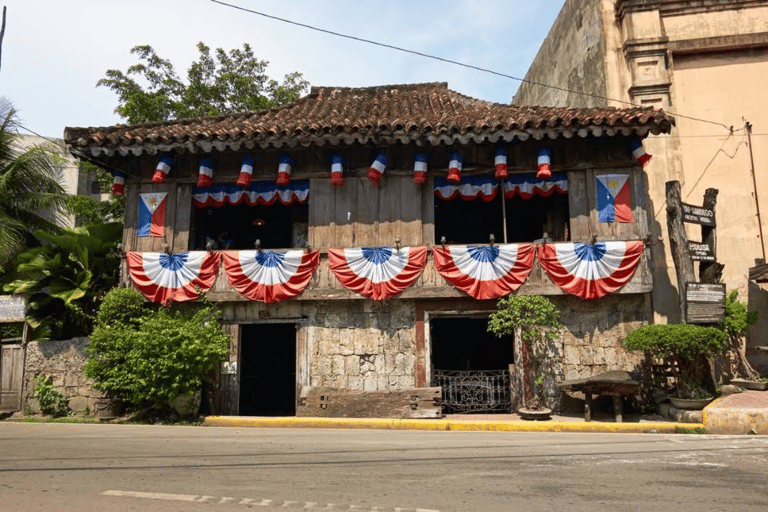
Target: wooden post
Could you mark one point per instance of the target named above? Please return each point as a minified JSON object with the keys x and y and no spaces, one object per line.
{"x":678,"y":242}
{"x":710,"y":272}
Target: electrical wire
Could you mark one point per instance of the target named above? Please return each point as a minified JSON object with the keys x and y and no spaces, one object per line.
{"x":449,"y":61}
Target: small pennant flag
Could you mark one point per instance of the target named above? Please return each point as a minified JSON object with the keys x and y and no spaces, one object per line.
{"x":544,"y":168}
{"x":162,"y":169}
{"x":377,"y":168}
{"x":454,"y":167}
{"x":420,"y":168}
{"x":246,"y":172}
{"x":636,"y":146}
{"x":152,"y":214}
{"x":500,"y":161}
{"x":284,"y":171}
{"x":337,"y":170}
{"x":613,"y":198}
{"x":118,"y":184}
{"x":205,"y":173}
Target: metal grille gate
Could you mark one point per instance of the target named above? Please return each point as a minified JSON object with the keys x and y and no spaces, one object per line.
{"x":474,"y":391}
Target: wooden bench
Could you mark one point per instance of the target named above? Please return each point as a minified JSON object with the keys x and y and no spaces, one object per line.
{"x":616,"y":384}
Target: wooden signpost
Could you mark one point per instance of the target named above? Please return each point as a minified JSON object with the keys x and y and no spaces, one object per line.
{"x":702,"y":300}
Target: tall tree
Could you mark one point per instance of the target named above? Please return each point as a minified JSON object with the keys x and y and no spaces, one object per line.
{"x":28,"y":187}
{"x":234,"y":81}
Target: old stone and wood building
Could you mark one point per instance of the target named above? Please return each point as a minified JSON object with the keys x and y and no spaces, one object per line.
{"x":703,"y":62}
{"x":330,"y":323}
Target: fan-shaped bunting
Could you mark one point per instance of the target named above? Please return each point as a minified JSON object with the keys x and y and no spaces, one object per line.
{"x":591,"y":271}
{"x":485,"y":272}
{"x":270,"y":276}
{"x":377,"y":272}
{"x":163,"y":277}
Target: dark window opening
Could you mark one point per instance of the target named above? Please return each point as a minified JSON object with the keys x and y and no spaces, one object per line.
{"x":466,"y":344}
{"x":268,"y":370}
{"x":536,"y":218}
{"x":467,"y":222}
{"x":276,"y":226}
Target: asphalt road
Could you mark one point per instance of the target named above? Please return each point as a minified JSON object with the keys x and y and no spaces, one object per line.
{"x":59,"y":467}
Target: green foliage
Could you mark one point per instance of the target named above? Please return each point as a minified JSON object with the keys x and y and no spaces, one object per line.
{"x":737,"y":317}
{"x":536,"y":316}
{"x":87,"y":210}
{"x":680,"y":340}
{"x":65,"y":279}
{"x":52,"y":401}
{"x":122,"y":306}
{"x":28,"y":186}
{"x":229,"y":82}
{"x":163,"y":355}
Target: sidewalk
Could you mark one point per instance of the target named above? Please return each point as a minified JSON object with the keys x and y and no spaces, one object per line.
{"x":742,"y":413}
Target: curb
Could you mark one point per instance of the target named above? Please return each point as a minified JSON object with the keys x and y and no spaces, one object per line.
{"x":447,"y":425}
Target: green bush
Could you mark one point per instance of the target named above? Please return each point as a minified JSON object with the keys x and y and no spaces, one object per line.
{"x":123,"y":306}
{"x":52,"y":401}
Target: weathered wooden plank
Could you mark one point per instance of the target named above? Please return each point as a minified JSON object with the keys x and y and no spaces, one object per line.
{"x":428,"y":213}
{"x":343,"y":403}
{"x":412,"y":212}
{"x":345,"y":213}
{"x":389,"y":214}
{"x":578,"y":206}
{"x":131,"y":220}
{"x":182,"y":221}
{"x":638,"y":193}
{"x":365,"y":212}
{"x":321,"y":220}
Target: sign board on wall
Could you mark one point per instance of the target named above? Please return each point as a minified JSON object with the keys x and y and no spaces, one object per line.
{"x":698,"y":215}
{"x":12,"y":309}
{"x":700,"y":252}
{"x":704,"y":303}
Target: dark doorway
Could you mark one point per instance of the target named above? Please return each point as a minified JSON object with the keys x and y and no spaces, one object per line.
{"x":471,"y":365}
{"x":268,"y":370}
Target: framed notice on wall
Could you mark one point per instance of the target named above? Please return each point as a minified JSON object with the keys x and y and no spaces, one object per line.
{"x":704,"y":303}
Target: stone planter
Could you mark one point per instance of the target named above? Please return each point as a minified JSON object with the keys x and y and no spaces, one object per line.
{"x":751,"y":384}
{"x":187,"y":405}
{"x":690,"y":404}
{"x":108,"y":408}
{"x":542,"y":414}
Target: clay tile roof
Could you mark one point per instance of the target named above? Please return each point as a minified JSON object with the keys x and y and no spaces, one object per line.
{"x":428,"y":113}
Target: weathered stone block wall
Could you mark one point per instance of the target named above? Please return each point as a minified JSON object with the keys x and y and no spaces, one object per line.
{"x":64,"y":361}
{"x":361,"y":345}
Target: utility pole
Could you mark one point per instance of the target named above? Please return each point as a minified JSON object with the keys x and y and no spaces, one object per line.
{"x":2,"y":33}
{"x":754,"y":185}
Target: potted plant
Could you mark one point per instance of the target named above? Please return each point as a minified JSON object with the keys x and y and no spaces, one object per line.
{"x":737,"y":320}
{"x":535,"y":321}
{"x":687,"y":346}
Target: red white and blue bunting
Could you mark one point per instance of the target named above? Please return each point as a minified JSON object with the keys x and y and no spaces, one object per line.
{"x":636,"y":146}
{"x":118,"y":183}
{"x":337,"y":170}
{"x":454,"y":167}
{"x":485,"y":272}
{"x":591,"y":271}
{"x":270,"y":276}
{"x":162,"y":169}
{"x":377,"y":272}
{"x":501,"y":170}
{"x":163,"y":277}
{"x":544,"y":164}
{"x":260,"y":192}
{"x":377,"y":168}
{"x":284,"y":171}
{"x":246,"y":172}
{"x":205,"y":173}
{"x":486,"y":187}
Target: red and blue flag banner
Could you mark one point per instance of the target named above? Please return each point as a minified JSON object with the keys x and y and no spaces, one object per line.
{"x":205,"y":173}
{"x":528,"y":185}
{"x":270,"y":276}
{"x":284,"y":171}
{"x":614,"y":200}
{"x":152,"y":206}
{"x":636,"y":146}
{"x":500,"y":164}
{"x":178,"y":277}
{"x":454,"y":167}
{"x":258,"y":193}
{"x":246,"y":172}
{"x":377,"y":272}
{"x":337,"y":170}
{"x":468,"y":189}
{"x":544,"y":167}
{"x":485,"y":272}
{"x":377,"y":168}
{"x":420,"y":168}
{"x":118,"y":183}
{"x":591,"y":271}
{"x":162,"y":169}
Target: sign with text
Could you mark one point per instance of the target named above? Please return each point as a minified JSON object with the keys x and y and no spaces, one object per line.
{"x":698,"y":215}
{"x":12,"y":309}
{"x":700,"y":252}
{"x":704,"y":303}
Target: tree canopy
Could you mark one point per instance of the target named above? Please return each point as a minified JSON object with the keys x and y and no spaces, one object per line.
{"x":222,"y":83}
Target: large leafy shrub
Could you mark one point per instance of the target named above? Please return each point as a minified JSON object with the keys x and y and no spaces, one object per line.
{"x":686,"y":344}
{"x":149,"y":358}
{"x":738,"y":318}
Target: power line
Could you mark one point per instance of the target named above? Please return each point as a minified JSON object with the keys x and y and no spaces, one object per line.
{"x":449,"y":61}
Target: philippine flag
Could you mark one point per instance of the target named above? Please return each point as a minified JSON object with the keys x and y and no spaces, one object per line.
{"x":613,"y":198}
{"x":152,"y":214}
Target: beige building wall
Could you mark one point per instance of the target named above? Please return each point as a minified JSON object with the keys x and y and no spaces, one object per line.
{"x":705,"y":63}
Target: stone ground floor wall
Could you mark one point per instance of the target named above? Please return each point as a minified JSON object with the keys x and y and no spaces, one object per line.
{"x":62,"y":360}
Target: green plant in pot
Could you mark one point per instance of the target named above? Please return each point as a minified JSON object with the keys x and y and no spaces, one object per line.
{"x":535,"y":321}
{"x":687,"y":346}
{"x":738,"y":318}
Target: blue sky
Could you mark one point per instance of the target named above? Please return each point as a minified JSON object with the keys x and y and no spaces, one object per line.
{"x":53,"y":53}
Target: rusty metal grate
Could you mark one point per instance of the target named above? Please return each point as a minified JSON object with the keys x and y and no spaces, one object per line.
{"x":474,"y":391}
